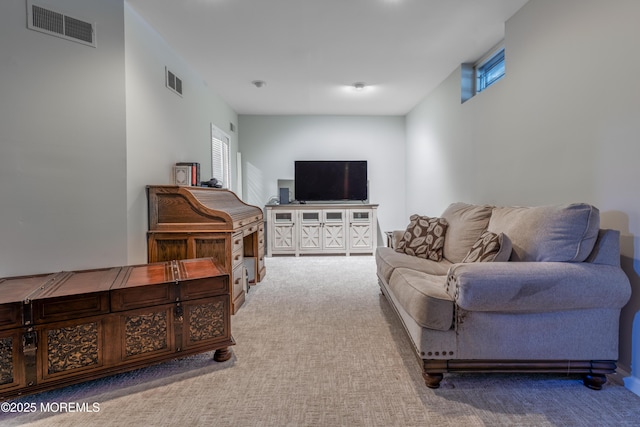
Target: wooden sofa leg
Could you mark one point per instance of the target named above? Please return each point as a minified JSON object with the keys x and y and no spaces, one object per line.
{"x":594,"y":381}
{"x":432,"y":380}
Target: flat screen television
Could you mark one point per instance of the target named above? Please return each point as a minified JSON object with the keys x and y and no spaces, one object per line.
{"x":330,"y":180}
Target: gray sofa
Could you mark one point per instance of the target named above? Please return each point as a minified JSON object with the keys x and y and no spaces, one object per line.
{"x":546,"y":299}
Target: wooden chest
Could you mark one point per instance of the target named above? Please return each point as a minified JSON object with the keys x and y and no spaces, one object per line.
{"x":63,"y":328}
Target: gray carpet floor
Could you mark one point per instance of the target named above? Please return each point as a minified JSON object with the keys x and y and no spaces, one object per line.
{"x":318,"y":345}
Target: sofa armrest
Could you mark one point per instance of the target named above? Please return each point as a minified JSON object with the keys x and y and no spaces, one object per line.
{"x":537,"y":286}
{"x":607,"y":248}
{"x":396,"y":236}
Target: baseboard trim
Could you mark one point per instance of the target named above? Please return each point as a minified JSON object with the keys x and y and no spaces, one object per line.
{"x":618,"y":376}
{"x":633,"y":384}
{"x":624,"y":378}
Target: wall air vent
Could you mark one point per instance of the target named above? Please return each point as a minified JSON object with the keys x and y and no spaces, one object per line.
{"x":174,"y":83}
{"x":60,"y":25}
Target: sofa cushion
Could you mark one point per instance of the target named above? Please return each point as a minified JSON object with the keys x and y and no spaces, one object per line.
{"x":424,"y":297}
{"x":562,"y":233}
{"x":466,"y":224}
{"x":490,"y":247}
{"x":424,"y":237}
{"x":388,"y":260}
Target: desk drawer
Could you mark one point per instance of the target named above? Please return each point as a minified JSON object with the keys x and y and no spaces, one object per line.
{"x":238,"y":279}
{"x":236,"y":242}
{"x":250,"y":229}
{"x":236,"y":259}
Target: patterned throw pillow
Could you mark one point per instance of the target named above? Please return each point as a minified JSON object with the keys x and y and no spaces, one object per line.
{"x":490,"y":247}
{"x":424,"y":237}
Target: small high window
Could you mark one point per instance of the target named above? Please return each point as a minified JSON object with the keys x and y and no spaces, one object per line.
{"x":490,"y":70}
{"x":476,"y":77}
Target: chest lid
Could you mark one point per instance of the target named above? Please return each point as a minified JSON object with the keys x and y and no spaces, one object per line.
{"x":16,"y":292}
{"x":172,"y":281}
{"x":74,"y":294}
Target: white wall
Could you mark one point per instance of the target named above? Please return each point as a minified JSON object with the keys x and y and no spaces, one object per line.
{"x":271,"y":144}
{"x":83,"y":130}
{"x":62,"y":142}
{"x":162,"y":127}
{"x":562,"y":126}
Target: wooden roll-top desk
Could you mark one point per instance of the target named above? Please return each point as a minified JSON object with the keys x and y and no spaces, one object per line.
{"x":197,"y":222}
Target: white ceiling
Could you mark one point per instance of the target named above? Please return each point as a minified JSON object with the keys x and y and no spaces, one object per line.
{"x":309,"y":51}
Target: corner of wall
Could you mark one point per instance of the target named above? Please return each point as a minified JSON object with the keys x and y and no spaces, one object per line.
{"x":633,"y":384}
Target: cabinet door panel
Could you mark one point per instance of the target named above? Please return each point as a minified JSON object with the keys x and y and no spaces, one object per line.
{"x":363,"y":216}
{"x":310,"y":237}
{"x":282,"y":237}
{"x":361,"y":237}
{"x":70,"y":348}
{"x":310,"y":217}
{"x":146,"y":332}
{"x":361,"y":230}
{"x":169,"y":249}
{"x":11,"y":362}
{"x":333,"y":216}
{"x":211,"y":247}
{"x":206,"y":321}
{"x":333,"y":236}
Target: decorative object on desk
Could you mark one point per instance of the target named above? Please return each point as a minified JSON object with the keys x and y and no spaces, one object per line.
{"x":182,"y":175}
{"x":213,"y":183}
{"x":195,"y":172}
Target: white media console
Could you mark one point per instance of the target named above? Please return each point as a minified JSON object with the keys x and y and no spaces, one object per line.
{"x":299,"y":229}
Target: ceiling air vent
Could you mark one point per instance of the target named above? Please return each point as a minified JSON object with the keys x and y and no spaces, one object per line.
{"x":174,"y":83}
{"x":60,"y":25}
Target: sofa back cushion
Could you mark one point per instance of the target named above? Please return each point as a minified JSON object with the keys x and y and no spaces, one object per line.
{"x":466,"y":225}
{"x":563,"y":233}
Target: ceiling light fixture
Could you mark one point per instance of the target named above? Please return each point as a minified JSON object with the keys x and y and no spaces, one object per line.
{"x":259,"y":83}
{"x":359,"y":86}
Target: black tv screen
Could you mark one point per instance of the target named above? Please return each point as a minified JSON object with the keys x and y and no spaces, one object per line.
{"x":330,"y":180}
